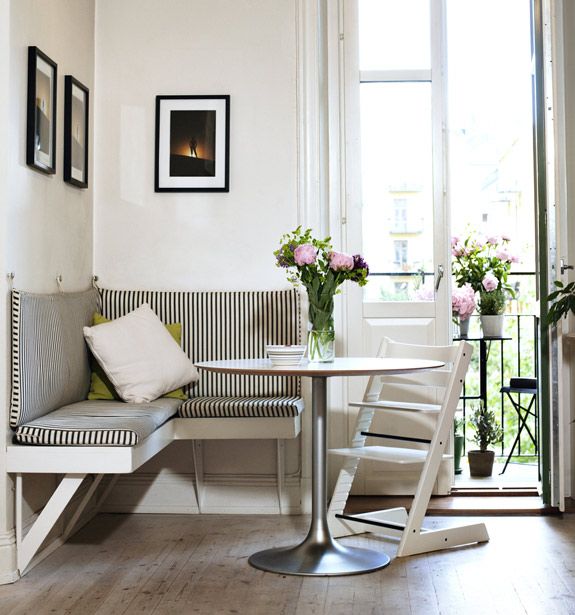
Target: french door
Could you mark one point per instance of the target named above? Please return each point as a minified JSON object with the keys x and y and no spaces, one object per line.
{"x":419,"y":151}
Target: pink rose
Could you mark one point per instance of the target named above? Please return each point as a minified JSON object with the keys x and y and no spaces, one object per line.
{"x":463,"y":301}
{"x":338,"y":261}
{"x":305,"y":254}
{"x":490,"y":282}
{"x":503,"y":255}
{"x":457,"y":251}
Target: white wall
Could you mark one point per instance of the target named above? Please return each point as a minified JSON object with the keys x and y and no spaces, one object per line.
{"x":143,"y":239}
{"x":244,"y":48}
{"x":46,"y":224}
{"x":49,"y":222}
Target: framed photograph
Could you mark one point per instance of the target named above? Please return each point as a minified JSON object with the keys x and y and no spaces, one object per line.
{"x":192,"y":144}
{"x":76,"y":107}
{"x":41,"y":112}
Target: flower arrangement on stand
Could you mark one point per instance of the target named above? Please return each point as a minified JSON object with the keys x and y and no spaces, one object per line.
{"x":462,"y":306}
{"x":485,"y":264}
{"x":314,"y":264}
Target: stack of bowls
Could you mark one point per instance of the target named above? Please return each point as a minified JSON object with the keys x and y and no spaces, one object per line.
{"x":285,"y":355}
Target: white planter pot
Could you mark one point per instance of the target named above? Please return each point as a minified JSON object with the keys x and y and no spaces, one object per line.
{"x":492,"y":326}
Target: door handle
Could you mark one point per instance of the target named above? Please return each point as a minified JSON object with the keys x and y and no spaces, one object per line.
{"x":440,"y":272}
{"x":564,"y":267}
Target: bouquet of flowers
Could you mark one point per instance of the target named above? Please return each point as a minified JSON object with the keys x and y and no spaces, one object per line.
{"x":463,"y":301}
{"x":484,"y":263}
{"x":314,"y":264}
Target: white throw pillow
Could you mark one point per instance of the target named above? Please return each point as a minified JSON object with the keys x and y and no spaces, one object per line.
{"x":139,"y":356}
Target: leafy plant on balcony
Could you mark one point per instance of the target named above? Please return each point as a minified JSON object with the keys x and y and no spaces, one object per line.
{"x":564,"y":302}
{"x":486,"y":428}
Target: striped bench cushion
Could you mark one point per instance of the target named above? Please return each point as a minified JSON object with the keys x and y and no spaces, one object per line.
{"x":50,"y":365}
{"x":241,"y":407}
{"x":98,"y":423}
{"x":223,"y":325}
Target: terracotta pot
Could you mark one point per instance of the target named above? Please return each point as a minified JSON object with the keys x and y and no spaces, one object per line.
{"x":481,"y":462}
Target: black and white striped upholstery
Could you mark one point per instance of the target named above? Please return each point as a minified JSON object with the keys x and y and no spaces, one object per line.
{"x":50,"y":365}
{"x":223,"y":325}
{"x":98,"y":423}
{"x":241,"y":407}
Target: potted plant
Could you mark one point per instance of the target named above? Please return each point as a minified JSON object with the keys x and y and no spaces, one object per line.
{"x":564,"y":298}
{"x":458,"y":443}
{"x":491,"y":308}
{"x":487,"y":431}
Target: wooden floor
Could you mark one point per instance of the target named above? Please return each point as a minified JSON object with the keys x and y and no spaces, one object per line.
{"x":190,"y":564}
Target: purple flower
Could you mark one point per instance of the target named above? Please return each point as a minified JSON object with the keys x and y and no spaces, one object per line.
{"x":492,"y":240}
{"x":490,"y":282}
{"x":359,"y":263}
{"x":338,"y":261}
{"x":505,"y":237}
{"x":305,"y":254}
{"x":454,"y":241}
{"x":282,"y":261}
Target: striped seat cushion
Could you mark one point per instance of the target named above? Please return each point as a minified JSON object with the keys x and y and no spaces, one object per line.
{"x":241,"y":407}
{"x":98,"y":423}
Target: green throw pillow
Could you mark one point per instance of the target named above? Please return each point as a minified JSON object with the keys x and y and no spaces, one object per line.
{"x":100,"y":385}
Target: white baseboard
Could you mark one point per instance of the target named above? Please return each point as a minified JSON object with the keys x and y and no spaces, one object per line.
{"x":8,"y":571}
{"x":222,"y":494}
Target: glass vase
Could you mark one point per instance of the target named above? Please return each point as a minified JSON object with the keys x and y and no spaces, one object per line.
{"x":321,"y":345}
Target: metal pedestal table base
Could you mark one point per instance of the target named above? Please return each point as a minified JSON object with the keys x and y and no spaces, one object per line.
{"x":317,"y":559}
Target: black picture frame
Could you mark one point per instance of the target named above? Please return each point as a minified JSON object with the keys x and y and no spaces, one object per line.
{"x":76,"y":132}
{"x":41,"y":112}
{"x":192,"y":144}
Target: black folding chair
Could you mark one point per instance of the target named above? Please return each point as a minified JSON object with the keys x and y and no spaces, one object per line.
{"x":522,"y":386}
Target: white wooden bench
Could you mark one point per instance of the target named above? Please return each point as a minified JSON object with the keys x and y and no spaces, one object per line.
{"x":58,"y":432}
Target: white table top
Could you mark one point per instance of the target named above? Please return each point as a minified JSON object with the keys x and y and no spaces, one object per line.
{"x":348,"y":366}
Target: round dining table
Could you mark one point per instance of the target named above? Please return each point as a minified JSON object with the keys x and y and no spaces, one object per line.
{"x":319,"y":554}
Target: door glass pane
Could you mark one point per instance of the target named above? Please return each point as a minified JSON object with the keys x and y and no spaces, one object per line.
{"x":394,"y":34}
{"x":490,"y":120}
{"x":397,"y":189}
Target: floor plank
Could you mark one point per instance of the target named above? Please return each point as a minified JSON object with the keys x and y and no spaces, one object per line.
{"x":168,"y":564}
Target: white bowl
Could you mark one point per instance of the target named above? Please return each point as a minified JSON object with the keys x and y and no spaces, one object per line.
{"x":285,"y":355}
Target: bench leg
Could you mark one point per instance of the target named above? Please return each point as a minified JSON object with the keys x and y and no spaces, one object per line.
{"x":280,"y":451}
{"x":198,"y":455}
{"x":27,"y":546}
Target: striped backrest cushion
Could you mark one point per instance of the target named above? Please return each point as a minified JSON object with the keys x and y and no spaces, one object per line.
{"x":50,"y":365}
{"x":223,"y":325}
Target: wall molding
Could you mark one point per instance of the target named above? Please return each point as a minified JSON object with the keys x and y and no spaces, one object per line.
{"x":223,"y":494}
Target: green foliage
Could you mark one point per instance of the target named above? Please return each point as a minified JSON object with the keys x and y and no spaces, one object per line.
{"x":492,"y":303}
{"x":564,"y":298}
{"x":486,"y":428}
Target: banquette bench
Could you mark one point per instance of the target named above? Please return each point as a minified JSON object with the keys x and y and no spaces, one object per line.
{"x":57,"y":430}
